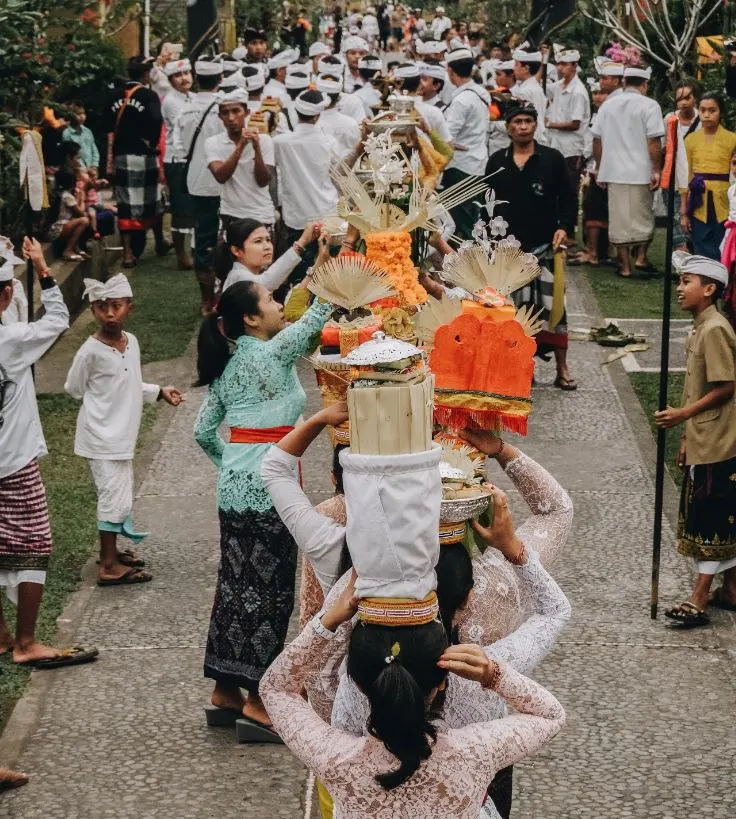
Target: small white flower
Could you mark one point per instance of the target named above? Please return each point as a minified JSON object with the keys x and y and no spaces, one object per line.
{"x":498,"y":226}
{"x":491,"y":202}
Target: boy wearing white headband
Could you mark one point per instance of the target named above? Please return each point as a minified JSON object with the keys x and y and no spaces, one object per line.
{"x":106,"y":376}
{"x":707,"y":528}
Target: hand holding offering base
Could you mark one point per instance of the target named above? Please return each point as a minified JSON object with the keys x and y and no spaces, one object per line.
{"x":343,"y":608}
{"x":501,"y":533}
{"x":335,"y":414}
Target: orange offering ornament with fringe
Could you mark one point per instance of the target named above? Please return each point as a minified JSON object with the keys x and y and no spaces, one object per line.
{"x":483,"y":372}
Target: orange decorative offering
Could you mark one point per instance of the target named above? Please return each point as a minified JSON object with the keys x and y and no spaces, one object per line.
{"x":483,"y":372}
{"x":390,"y":251}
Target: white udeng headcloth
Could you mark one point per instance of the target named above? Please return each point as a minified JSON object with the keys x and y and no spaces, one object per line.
{"x":393,"y":513}
{"x":684,"y":262}
{"x":310,"y":109}
{"x":116,"y":287}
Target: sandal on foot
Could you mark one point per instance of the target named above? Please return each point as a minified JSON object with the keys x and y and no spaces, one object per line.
{"x":129,"y":558}
{"x":12,"y":779}
{"x":567,"y":384}
{"x":128,"y":264}
{"x":687,"y":615}
{"x":248,"y":730}
{"x":67,"y":656}
{"x":131,"y":578}
{"x":718,"y":600}
{"x":621,"y":274}
{"x":163,"y":248}
{"x":221,"y":717}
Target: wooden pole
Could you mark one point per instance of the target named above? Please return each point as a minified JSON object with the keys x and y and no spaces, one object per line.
{"x":664,"y":364}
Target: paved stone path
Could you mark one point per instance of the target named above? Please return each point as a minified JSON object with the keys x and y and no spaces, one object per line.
{"x":649,"y":729}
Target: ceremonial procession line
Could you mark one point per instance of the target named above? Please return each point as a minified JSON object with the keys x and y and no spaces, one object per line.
{"x":637,"y":696}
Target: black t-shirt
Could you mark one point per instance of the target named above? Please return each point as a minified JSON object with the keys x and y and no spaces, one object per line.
{"x":537,"y":199}
{"x":139,"y":128}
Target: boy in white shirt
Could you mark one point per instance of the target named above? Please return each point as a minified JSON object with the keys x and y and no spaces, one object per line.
{"x":106,"y":376}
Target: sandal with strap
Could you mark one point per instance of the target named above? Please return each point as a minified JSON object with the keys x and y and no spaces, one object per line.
{"x":131,"y":578}
{"x":67,"y":656}
{"x":687,"y":615}
{"x":567,"y":384}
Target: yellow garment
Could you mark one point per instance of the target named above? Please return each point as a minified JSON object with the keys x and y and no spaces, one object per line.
{"x":326,"y":805}
{"x":296,"y":303}
{"x":558,"y":292}
{"x":711,"y":155}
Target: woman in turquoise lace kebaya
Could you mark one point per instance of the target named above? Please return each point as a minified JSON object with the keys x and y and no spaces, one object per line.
{"x":257,"y":393}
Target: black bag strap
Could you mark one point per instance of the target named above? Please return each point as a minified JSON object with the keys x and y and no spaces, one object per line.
{"x":195,"y":137}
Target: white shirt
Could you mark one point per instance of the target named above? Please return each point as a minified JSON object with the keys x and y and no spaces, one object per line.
{"x":342,"y":128}
{"x":531,"y":91}
{"x":498,"y":136}
{"x":241,"y":196}
{"x":624,"y":124}
{"x":110,"y":385}
{"x":569,"y":104}
{"x":22,"y":345}
{"x":682,"y":171}
{"x":17,"y":310}
{"x":467,"y":121}
{"x":200,"y":181}
{"x":174,"y":103}
{"x":353,"y":82}
{"x":272,"y":277}
{"x":369,"y":26}
{"x":439,"y":26}
{"x":320,"y":538}
{"x":366,"y":98}
{"x":434,"y":118}
{"x":277,"y":89}
{"x":304,"y":159}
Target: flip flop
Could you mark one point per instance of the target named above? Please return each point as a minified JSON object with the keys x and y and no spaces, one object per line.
{"x":622,"y":275}
{"x":12,"y":779}
{"x":129,"y":558}
{"x":131,"y":578}
{"x":68,"y":656}
{"x":719,"y":601}
{"x":248,"y":730}
{"x":566,"y":384}
{"x":687,"y":615}
{"x":129,"y":264}
{"x":221,"y":717}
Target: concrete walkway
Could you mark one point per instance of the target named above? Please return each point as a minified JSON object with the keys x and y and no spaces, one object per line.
{"x":649,"y":728}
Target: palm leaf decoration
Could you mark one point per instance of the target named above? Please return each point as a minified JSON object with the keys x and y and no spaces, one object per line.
{"x":432,"y":315}
{"x":460,"y":458}
{"x":508,"y":269}
{"x":530,"y":322}
{"x":350,"y":282}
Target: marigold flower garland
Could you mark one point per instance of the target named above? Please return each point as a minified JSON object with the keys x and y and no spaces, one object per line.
{"x":391,"y":251}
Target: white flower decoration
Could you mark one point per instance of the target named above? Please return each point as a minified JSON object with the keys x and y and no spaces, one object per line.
{"x":498,"y":226}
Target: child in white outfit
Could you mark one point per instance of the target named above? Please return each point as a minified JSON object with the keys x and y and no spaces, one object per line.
{"x":106,"y":376}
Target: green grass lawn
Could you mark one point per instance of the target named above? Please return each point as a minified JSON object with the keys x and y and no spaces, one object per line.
{"x":165,"y":318}
{"x":637,"y":297}
{"x":646,"y":387}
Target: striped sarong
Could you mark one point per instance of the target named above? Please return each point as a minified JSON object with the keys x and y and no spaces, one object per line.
{"x":539,"y":294}
{"x":25,"y":531}
{"x":137,"y":191}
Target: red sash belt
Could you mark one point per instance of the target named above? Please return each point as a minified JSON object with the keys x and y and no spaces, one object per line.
{"x":247,"y":435}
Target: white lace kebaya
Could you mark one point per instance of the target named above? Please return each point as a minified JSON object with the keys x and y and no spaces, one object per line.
{"x":450,"y":784}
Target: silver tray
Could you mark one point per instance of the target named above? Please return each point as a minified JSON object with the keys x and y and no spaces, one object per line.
{"x":459,"y":509}
{"x":397,"y":126}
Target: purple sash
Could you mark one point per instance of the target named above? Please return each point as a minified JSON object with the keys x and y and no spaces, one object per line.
{"x":697,"y":189}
